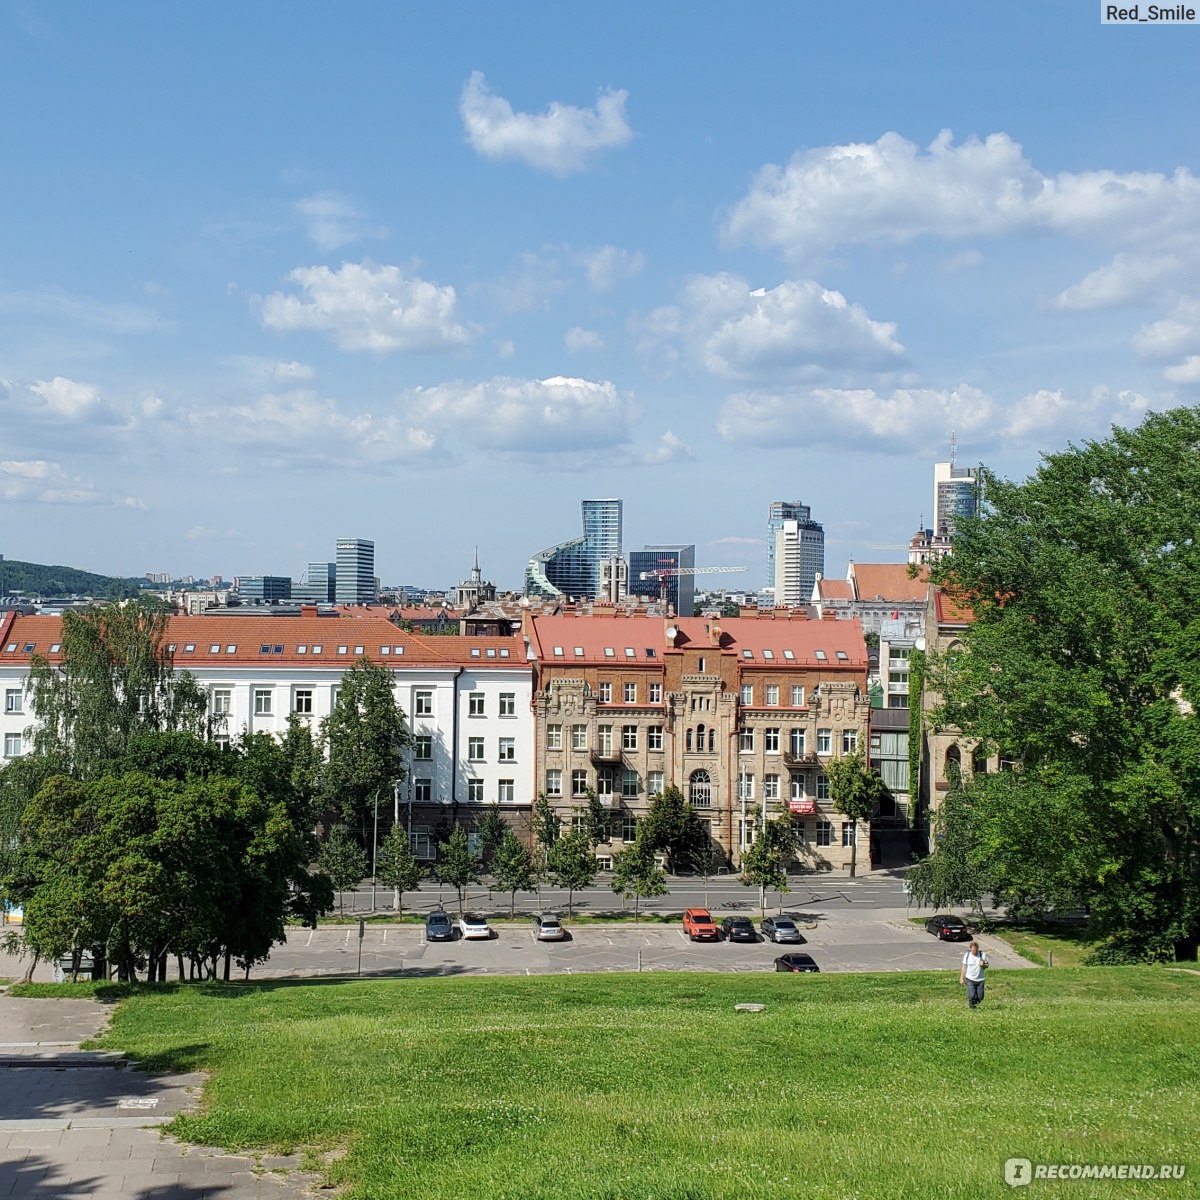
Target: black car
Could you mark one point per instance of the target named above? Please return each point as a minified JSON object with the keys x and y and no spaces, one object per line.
{"x":947,"y":928}
{"x":439,"y":927}
{"x":738,"y":929}
{"x":797,"y":962}
{"x":781,"y":929}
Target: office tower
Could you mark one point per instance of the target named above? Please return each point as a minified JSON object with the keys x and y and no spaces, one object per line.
{"x":680,"y":590}
{"x":799,"y":556}
{"x":955,"y":496}
{"x":572,"y":568}
{"x":263,"y":589}
{"x":319,"y":585}
{"x":809,"y":533}
{"x":355,"y":571}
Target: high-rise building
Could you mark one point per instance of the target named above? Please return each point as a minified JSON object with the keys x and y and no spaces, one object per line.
{"x":263,"y":589}
{"x":791,"y":510}
{"x":808,"y":540}
{"x":572,"y":568}
{"x":679,"y":590}
{"x":355,"y":571}
{"x":319,"y":585}
{"x":955,"y":496}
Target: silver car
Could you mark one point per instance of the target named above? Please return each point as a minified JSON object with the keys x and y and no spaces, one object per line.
{"x":781,"y":929}
{"x":548,"y":928}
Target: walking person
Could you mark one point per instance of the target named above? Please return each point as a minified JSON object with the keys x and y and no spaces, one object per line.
{"x":974,"y":974}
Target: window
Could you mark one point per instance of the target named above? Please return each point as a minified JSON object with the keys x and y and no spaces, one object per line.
{"x":656,"y":693}
{"x":630,"y":784}
{"x":317,"y":648}
{"x":579,"y":783}
{"x":577,"y":823}
{"x":554,"y":782}
{"x":746,"y":741}
{"x":505,"y":791}
{"x":772,"y":695}
{"x":578,"y":737}
{"x":824,"y":833}
{"x":508,"y":704}
{"x":848,"y":833}
{"x":822,"y":786}
{"x":897,"y":700}
{"x":797,"y":696}
{"x":746,"y":786}
{"x":422,"y":791}
{"x":654,"y":737}
{"x":423,"y":704}
{"x":629,"y":737}
{"x":302,"y":701}
{"x":221,"y":741}
{"x":475,"y":704}
{"x":423,"y":748}
{"x":799,"y":788}
{"x":898,"y":654}
{"x":554,"y":737}
{"x":700,"y":790}
{"x":796,"y":742}
{"x":771,"y":740}
{"x":605,"y":785}
{"x":222,"y":702}
{"x":770,"y":788}
{"x":824,"y":741}
{"x":629,"y":691}
{"x":12,"y":745}
{"x":700,"y":666}
{"x":747,"y":693}
{"x":475,"y":749}
{"x":605,"y":693}
{"x":262,"y":702}
{"x":474,"y":791}
{"x":508,"y":750}
{"x":628,"y":828}
{"x":654,"y":783}
{"x":849,"y":741}
{"x":13,"y":700}
{"x":898,"y":678}
{"x":604,"y":741}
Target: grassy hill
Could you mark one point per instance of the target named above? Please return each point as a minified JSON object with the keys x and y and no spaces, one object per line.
{"x":34,"y":579}
{"x":639,"y":1086}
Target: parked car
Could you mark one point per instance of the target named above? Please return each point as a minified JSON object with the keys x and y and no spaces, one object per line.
{"x":548,"y":928}
{"x":438,"y":927}
{"x":472,"y":925}
{"x":797,"y":962}
{"x":699,"y":925}
{"x":781,"y":929}
{"x":948,"y":928}
{"x":738,"y":929}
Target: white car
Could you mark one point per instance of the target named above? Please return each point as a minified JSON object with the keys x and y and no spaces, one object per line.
{"x":548,"y":928}
{"x":472,"y":925}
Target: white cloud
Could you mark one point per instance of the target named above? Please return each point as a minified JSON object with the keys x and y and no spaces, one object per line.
{"x":40,"y":482}
{"x":65,"y":398}
{"x":606,"y":266}
{"x":363,"y":307}
{"x":798,"y":328}
{"x":1187,"y":371}
{"x":555,"y":415}
{"x":331,"y":221}
{"x":579,"y":339}
{"x":543,"y":274}
{"x":670,"y":449}
{"x":559,"y":141}
{"x":286,"y":372}
{"x":1178,"y":333}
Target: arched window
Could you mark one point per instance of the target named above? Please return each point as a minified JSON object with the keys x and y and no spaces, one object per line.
{"x":689,"y":741}
{"x":712,"y":741}
{"x":700,"y":790}
{"x":953,"y":765}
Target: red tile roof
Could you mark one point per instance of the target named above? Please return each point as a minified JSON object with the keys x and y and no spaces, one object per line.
{"x":890,"y":582}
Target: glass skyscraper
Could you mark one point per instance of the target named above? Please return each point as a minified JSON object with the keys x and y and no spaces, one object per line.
{"x":572,"y":568}
{"x":680,"y":590}
{"x":809,"y":532}
{"x":355,"y":571}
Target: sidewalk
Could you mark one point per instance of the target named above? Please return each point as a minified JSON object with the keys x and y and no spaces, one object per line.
{"x":79,"y":1123}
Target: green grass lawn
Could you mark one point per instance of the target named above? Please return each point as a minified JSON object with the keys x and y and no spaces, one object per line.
{"x":632,"y":1087}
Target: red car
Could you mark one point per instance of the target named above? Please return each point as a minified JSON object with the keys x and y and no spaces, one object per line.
{"x":699,"y":925}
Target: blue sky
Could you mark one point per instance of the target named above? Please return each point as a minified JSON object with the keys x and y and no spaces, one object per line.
{"x":273,"y":274}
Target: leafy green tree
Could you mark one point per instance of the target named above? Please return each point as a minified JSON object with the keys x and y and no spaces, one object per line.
{"x":855,"y":791}
{"x":596,"y":820}
{"x":367,"y":739}
{"x":1081,"y":665}
{"x":343,"y":861}
{"x":491,"y":833}
{"x":457,"y":867}
{"x":572,"y":865}
{"x":955,"y":873}
{"x":764,"y":864}
{"x":636,"y":874}
{"x":513,"y":868}
{"x":671,"y":824}
{"x":546,"y":825}
{"x":396,"y":866}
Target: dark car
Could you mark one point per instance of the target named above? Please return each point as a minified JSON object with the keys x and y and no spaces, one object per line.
{"x":738,"y":929}
{"x":948,"y":928}
{"x":797,"y":962}
{"x":439,"y":927}
{"x":781,"y":929}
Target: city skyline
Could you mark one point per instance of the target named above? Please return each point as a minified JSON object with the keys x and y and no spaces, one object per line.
{"x":465,"y":268}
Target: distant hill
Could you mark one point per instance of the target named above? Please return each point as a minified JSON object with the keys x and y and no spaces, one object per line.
{"x":35,"y":580}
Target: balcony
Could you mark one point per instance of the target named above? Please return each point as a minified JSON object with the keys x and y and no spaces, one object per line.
{"x":607,"y":756}
{"x":800,"y":760}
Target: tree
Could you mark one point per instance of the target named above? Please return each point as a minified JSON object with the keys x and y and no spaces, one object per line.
{"x":457,"y":866}
{"x":855,"y":792}
{"x":546,"y":825}
{"x":513,"y":869}
{"x":397,"y":867}
{"x":572,"y":865}
{"x":1081,"y":667}
{"x":672,"y":825}
{"x":764,"y":864}
{"x":596,"y":820}
{"x":491,"y":833}
{"x":343,"y":861}
{"x":636,"y":874}
{"x":367,"y":739}
{"x":954,"y":874}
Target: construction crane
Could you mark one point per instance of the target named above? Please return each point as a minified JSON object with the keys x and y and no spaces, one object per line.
{"x":670,"y":572}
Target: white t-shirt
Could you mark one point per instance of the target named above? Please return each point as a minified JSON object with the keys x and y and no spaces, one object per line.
{"x":976,"y":964}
